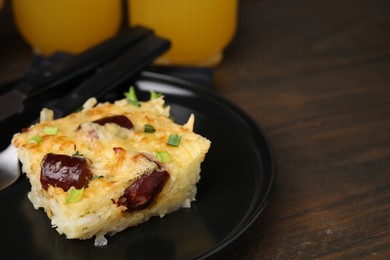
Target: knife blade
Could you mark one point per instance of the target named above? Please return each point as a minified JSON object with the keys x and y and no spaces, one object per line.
{"x":14,"y":101}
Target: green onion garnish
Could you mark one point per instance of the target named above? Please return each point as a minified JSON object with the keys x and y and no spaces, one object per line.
{"x":148,"y":128}
{"x":50,"y":130}
{"x":74,"y":195}
{"x":97,"y":177}
{"x":77,"y":154}
{"x":154,"y":95}
{"x":131,"y":97}
{"x":36,"y":139}
{"x":174,"y":140}
{"x":163,"y":157}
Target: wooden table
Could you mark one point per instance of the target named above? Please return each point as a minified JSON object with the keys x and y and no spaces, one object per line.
{"x":315,"y":75}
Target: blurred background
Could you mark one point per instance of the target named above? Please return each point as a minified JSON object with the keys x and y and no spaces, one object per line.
{"x":199,"y":31}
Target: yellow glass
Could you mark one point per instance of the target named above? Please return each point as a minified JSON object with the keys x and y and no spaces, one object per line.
{"x":198,"y":29}
{"x":66,"y":25}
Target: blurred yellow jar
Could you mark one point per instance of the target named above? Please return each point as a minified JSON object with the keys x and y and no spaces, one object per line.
{"x":66,"y":25}
{"x":199,"y":29}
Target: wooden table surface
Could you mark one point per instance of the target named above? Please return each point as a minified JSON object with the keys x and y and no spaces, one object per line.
{"x":315,"y":76}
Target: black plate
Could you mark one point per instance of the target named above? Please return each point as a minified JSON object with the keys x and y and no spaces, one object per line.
{"x":237,"y":178}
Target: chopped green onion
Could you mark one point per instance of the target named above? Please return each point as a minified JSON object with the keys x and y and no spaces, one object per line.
{"x":77,"y":154}
{"x":36,"y":139}
{"x":163,"y":157}
{"x":50,"y":130}
{"x":97,"y":177}
{"x":131,"y":97}
{"x":174,"y":140}
{"x":171,"y":117}
{"x":74,"y":195}
{"x":148,"y":128}
{"x":154,"y":95}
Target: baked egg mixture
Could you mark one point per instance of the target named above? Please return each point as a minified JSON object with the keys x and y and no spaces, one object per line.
{"x":111,"y":165}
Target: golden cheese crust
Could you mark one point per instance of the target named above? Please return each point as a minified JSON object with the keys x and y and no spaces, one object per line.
{"x":117,"y":157}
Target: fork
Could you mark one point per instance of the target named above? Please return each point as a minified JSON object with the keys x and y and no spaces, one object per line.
{"x":9,"y":167}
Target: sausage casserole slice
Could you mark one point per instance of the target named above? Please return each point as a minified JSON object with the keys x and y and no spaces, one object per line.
{"x":110,"y":166}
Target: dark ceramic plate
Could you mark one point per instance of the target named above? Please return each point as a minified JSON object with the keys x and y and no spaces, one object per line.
{"x":237,"y":178}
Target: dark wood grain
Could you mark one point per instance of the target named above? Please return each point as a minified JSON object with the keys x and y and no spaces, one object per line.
{"x":315,"y":75}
